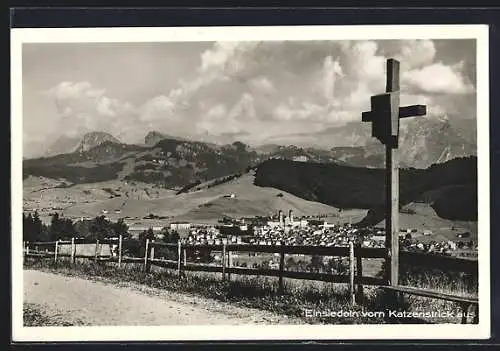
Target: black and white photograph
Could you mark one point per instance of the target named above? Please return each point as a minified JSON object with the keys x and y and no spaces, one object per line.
{"x":308,"y":182}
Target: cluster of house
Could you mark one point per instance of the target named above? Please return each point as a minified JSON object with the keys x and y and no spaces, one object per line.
{"x":278,"y":230}
{"x":288,"y":230}
{"x":305,"y":235}
{"x":211,"y":236}
{"x":439,"y":247}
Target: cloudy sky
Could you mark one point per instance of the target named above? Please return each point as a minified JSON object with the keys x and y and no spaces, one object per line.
{"x":257,"y":90}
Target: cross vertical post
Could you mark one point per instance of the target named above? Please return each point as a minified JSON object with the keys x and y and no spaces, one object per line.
{"x":385,"y":115}
{"x":392,"y":181}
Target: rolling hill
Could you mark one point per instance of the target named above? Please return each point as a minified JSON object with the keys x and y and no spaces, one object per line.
{"x":451,"y":187}
{"x":169,"y":163}
{"x":250,"y":200}
{"x":135,"y":201}
{"x":205,"y":204}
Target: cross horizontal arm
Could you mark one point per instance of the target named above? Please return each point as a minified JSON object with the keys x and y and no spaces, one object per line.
{"x":405,"y":111}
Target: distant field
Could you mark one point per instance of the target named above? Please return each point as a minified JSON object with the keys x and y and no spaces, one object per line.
{"x":135,"y":201}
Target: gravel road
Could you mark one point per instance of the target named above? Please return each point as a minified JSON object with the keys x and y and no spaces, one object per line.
{"x":100,"y":303}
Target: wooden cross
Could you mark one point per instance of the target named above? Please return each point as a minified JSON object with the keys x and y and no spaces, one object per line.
{"x":384,"y":115}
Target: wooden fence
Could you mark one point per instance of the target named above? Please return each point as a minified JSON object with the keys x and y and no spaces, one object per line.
{"x":355,"y":255}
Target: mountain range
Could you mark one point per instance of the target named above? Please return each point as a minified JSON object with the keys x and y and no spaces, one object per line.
{"x":177,"y":163}
{"x":423,"y":142}
{"x":437,"y":161}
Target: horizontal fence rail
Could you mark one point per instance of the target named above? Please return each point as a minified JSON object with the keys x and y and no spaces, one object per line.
{"x":406,"y":257}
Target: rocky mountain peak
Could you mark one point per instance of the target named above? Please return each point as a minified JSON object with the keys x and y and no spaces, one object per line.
{"x":93,"y":139}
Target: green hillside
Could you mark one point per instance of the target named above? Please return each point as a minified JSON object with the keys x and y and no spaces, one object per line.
{"x":353,"y":187}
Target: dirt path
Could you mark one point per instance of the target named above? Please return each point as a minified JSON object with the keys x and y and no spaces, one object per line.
{"x":99,"y":303}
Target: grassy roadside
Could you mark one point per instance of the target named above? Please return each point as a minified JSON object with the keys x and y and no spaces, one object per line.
{"x":35,"y":316}
{"x":253,"y":292}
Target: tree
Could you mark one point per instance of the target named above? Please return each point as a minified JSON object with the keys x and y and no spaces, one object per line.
{"x":60,"y":228}
{"x":166,"y":234}
{"x":146,"y":234}
{"x":141,"y":243}
{"x":67,"y":228}
{"x":120,"y":228}
{"x":41,"y":230}
{"x":33,"y":228}
{"x":54,"y":227}
{"x":174,"y":237}
{"x":100,"y":228}
{"x":83,"y":229}
{"x":29,"y":233}
{"x":27,"y":227}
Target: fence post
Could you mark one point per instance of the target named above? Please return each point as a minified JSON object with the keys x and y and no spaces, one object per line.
{"x":476,"y":315}
{"x":120,"y":239}
{"x":24,"y":247}
{"x":152,"y":253}
{"x":96,"y":248}
{"x":55,"y":250}
{"x":223,"y":261}
{"x":27,"y":248}
{"x":73,"y":247}
{"x":282,"y":268}
{"x":359,"y":274}
{"x":465,"y":309}
{"x":179,"y":254}
{"x":351,"y":272}
{"x":146,"y":254}
{"x":229,"y":264}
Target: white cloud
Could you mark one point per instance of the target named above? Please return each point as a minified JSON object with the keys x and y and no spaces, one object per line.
{"x":262,"y":84}
{"x":438,"y":78}
{"x":157,"y":108}
{"x":82,"y":108}
{"x":313,"y":83}
{"x":434,"y":106}
{"x":104,"y":107}
{"x":414,"y":99}
{"x":67,"y":111}
{"x":255,"y":87}
{"x":331,"y":70}
{"x":362,"y":61}
{"x":217,"y":112}
{"x":309,"y":113}
{"x":244,"y":109}
{"x":416,"y":53}
{"x":70,"y":90}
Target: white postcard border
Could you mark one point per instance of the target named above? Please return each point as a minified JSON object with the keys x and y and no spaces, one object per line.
{"x":253,"y":332}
